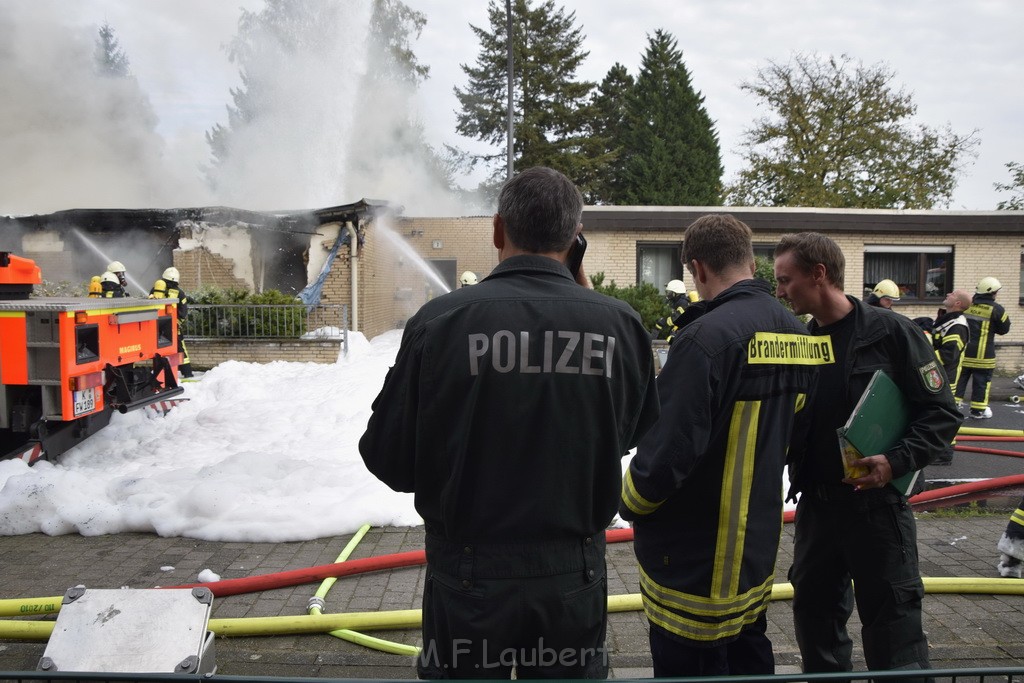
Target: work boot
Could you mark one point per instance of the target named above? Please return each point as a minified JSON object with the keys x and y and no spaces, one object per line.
{"x":1009,"y":567}
{"x":981,"y":414}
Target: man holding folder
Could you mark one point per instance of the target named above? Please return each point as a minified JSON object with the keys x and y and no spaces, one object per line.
{"x":858,"y":528}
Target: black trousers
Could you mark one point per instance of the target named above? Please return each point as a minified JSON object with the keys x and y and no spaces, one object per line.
{"x":980,"y":381}
{"x":540,"y":608}
{"x":871,"y":537}
{"x":749,"y":654}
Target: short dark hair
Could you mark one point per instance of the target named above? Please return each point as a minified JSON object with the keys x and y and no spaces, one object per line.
{"x":811,"y":248}
{"x":719,"y":241}
{"x":541,"y":209}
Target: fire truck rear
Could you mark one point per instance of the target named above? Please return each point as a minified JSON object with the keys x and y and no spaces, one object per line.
{"x":67,"y":363}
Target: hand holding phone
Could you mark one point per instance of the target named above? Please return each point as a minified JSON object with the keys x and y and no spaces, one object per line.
{"x":576,"y":251}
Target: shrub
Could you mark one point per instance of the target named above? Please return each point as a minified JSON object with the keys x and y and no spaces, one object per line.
{"x":644,"y":298}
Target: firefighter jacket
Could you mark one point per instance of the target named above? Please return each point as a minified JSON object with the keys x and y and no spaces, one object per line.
{"x":986,"y":319}
{"x":112,"y":290}
{"x":665,"y":327}
{"x":169,"y":289}
{"x":883,"y":340}
{"x":950,"y":335}
{"x":511,"y":404}
{"x":705,"y":486}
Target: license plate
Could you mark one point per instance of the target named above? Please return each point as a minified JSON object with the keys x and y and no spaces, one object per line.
{"x":85,"y":401}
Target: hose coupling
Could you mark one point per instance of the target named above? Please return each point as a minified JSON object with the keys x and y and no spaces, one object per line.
{"x":317,"y":603}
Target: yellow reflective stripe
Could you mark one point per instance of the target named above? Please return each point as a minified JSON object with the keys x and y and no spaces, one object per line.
{"x":982,"y":363}
{"x":702,"y":605}
{"x":12,"y":314}
{"x":699,"y":630}
{"x":1017,"y":517}
{"x":108,"y":311}
{"x":801,"y":403}
{"x":734,"y":503}
{"x":770,"y":348}
{"x":633,"y":500}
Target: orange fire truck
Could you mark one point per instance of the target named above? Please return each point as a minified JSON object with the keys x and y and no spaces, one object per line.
{"x":67,"y":363}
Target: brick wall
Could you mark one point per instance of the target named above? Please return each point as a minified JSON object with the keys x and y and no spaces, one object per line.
{"x":200,"y":267}
{"x":206,"y":353}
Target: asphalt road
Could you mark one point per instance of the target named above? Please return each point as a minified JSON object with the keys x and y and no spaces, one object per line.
{"x":969,"y":466}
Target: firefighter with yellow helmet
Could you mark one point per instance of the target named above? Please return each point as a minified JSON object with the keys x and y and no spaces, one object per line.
{"x":167,"y":287}
{"x":985,"y":319}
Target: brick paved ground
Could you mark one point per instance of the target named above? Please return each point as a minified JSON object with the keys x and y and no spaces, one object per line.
{"x":964,"y":630}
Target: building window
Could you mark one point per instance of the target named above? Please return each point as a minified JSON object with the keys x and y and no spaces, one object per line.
{"x":922,"y":273}
{"x":657,"y":263}
{"x":1020,"y":297}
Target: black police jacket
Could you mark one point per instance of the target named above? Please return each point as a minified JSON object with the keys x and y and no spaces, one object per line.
{"x":888,"y":341}
{"x":511,"y":404}
{"x":705,"y":486}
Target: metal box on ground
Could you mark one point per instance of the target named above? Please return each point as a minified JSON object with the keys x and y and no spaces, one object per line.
{"x":132,"y":631}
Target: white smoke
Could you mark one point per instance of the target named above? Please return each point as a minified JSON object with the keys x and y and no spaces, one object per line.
{"x":73,"y":139}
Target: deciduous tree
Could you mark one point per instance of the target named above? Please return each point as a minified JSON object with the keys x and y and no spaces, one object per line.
{"x":836,"y":133}
{"x":1015,"y":186}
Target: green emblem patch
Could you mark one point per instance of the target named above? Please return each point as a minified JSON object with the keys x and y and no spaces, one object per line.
{"x":932,"y":377}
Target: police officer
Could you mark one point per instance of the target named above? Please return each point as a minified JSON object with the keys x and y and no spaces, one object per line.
{"x":167,"y":287}
{"x":859,"y":528}
{"x":986,"y":319}
{"x":507,"y":412}
{"x":884,"y":293}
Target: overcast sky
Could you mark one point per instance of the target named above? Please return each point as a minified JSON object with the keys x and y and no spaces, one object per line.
{"x":961,"y":60}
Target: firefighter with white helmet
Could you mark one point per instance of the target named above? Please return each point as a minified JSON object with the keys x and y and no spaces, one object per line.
{"x":111,"y":287}
{"x":678,"y":301}
{"x":118,"y":269}
{"x":985,"y":319}
{"x":167,"y":287}
{"x":468,"y":278}
{"x":884,"y":293}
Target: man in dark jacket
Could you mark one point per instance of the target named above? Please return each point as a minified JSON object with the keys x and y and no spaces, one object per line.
{"x":858,"y":528}
{"x":507,"y":412}
{"x":986,"y":319}
{"x":705,"y":487}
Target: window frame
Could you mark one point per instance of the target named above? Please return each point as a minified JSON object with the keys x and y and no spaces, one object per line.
{"x":677,"y":265}
{"x":923,"y":253}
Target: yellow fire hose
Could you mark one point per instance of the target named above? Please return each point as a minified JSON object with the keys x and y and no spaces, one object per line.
{"x":411,"y":618}
{"x":983,"y":431}
{"x":316,"y":606}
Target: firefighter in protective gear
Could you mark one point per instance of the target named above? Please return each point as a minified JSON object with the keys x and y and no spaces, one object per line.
{"x":96,"y":287}
{"x":1011,"y":545}
{"x":678,"y":301}
{"x":950,"y":335}
{"x":884,"y":293}
{"x":985,"y":319}
{"x":111,"y":287}
{"x":468,"y":278}
{"x":118,"y":269}
{"x":167,"y":287}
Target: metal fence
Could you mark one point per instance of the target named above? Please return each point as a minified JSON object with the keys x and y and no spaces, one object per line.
{"x":266,"y":321}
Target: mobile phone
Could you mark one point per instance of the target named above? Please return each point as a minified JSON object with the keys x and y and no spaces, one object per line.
{"x":576,"y":251}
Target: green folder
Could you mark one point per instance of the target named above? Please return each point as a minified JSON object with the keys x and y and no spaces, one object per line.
{"x":877,"y":423}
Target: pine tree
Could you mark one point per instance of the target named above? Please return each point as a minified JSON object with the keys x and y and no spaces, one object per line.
{"x":551,"y":108}
{"x":670,"y":146}
{"x":608,"y":130}
{"x":110,"y":58}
